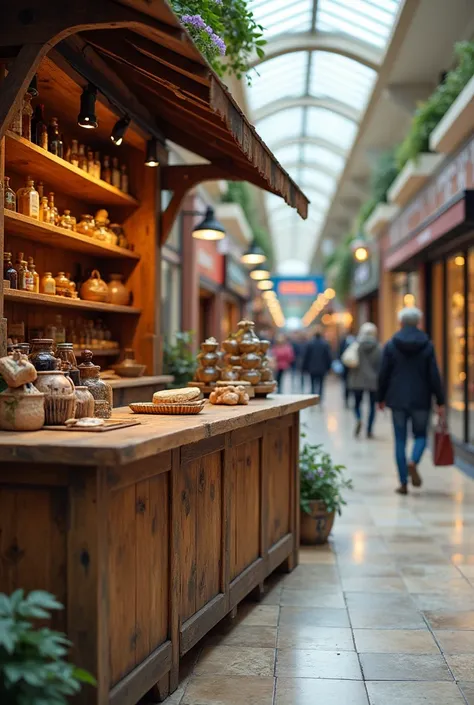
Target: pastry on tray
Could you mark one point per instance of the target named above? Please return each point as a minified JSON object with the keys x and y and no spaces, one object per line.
{"x":177,"y":396}
{"x":230,"y":395}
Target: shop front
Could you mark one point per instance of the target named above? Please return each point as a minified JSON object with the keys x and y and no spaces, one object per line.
{"x":365,"y":290}
{"x":236,"y":294}
{"x":210,"y":267}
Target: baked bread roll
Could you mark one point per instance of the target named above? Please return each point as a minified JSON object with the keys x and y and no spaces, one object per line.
{"x":176,"y":396}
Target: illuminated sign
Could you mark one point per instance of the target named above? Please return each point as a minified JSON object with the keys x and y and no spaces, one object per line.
{"x":307,"y":287}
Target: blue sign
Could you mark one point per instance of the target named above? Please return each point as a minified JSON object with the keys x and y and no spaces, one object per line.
{"x":299,"y":287}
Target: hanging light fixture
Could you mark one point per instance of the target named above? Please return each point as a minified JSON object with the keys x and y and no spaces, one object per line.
{"x":265,"y":285}
{"x":152,"y":153}
{"x":87,"y":117}
{"x":360,"y":250}
{"x":119,"y":130}
{"x":254,"y":255}
{"x":209,"y":228}
{"x":259,"y":273}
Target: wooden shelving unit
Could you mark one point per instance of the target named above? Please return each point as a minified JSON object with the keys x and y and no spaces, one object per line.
{"x":27,"y":297}
{"x":52,"y":236}
{"x":29,"y":159}
{"x":98,"y":352}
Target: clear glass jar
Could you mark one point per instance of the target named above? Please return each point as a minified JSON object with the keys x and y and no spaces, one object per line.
{"x":66,"y":220}
{"x":86,"y":226}
{"x":9,"y":196}
{"x":28,"y":200}
{"x":48,"y":284}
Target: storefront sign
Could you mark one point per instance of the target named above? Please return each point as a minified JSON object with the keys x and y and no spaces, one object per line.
{"x":236,"y":278}
{"x":210,"y":262}
{"x":307,"y":287}
{"x":366,"y":275}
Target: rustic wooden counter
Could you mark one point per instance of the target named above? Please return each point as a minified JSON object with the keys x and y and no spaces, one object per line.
{"x":130,"y":389}
{"x":150,"y":535}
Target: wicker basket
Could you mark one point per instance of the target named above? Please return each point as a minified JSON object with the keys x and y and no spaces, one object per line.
{"x":179,"y":408}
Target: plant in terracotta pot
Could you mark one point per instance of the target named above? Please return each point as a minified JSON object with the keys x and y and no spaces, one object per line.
{"x":321,"y":486}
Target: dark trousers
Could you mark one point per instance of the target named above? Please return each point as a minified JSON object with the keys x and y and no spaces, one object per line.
{"x":317,"y":384}
{"x":358,"y":396}
{"x":279,"y":378}
{"x":419,"y":424}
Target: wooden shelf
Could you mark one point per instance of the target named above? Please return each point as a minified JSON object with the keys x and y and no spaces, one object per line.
{"x":98,"y":352}
{"x":27,"y":297}
{"x":29,"y":159}
{"x":52,"y":236}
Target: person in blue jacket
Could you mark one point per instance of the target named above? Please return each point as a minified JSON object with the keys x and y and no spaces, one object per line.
{"x":409,"y":379}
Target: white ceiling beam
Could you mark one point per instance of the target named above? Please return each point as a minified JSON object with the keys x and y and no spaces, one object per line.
{"x":334,"y":106}
{"x":316,"y":141}
{"x":408,"y":95}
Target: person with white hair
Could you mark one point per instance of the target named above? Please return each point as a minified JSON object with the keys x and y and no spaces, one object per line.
{"x":409,"y":379}
{"x":364,"y":378}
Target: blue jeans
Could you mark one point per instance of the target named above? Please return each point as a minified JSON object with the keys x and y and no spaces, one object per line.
{"x":419,"y":423}
{"x":358,"y":395}
{"x":317,"y":385}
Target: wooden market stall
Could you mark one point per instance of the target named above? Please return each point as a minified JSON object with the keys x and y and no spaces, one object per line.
{"x":140,"y":534}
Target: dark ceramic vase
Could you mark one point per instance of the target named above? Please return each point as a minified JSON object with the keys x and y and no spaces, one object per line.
{"x":42,"y":356}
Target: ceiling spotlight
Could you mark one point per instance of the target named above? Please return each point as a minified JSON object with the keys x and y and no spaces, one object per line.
{"x":119,"y":130}
{"x":265,"y":285}
{"x":259,"y":273}
{"x":87,"y":117}
{"x":152,"y":153}
{"x":209,"y":228}
{"x":360,"y":250}
{"x":254,"y":255}
{"x":269,"y":295}
{"x":329,"y":294}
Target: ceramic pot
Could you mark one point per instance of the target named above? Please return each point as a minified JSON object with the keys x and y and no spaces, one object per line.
{"x":232,"y":360}
{"x":248,"y":346}
{"x":231,"y":346}
{"x":118,"y":292}
{"x":100,"y":390}
{"x":129,"y":367}
{"x":266,"y":374}
{"x":252,"y":376}
{"x":84,"y":403}
{"x":22,"y":409}
{"x":210,"y":345}
{"x":207,"y":374}
{"x":59,"y":397}
{"x":230,"y":374}
{"x":16,"y":370}
{"x":208,"y":359}
{"x":95,"y":289}
{"x":316,"y":527}
{"x":62,"y":285}
{"x":250,"y":361}
{"x":42,"y":356}
{"x":264,"y":346}
{"x":245,"y":331}
{"x":86,"y":226}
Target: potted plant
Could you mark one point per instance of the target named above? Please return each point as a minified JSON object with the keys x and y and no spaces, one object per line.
{"x":33,"y":669}
{"x":321,"y":486}
{"x":179,"y":359}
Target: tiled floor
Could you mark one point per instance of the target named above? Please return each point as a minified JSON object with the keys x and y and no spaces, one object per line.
{"x":384,"y":615}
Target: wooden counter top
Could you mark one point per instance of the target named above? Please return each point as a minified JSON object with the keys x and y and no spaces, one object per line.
{"x":155,"y":434}
{"x":125,"y":382}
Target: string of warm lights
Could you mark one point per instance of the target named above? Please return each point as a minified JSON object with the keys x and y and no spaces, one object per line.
{"x":274,"y":307}
{"x":317,"y":306}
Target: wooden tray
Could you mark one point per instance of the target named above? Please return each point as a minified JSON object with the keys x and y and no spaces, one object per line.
{"x":181,"y":408}
{"x":109,"y":425}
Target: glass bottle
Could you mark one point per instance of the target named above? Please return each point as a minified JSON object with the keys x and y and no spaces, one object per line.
{"x":67,"y":151}
{"x":48,"y":284}
{"x":90,"y":162}
{"x":53,"y":211}
{"x":65,"y":220}
{"x":16,"y":123}
{"x":82,"y":160}
{"x":100,"y":390}
{"x":115,"y":173}
{"x":44,"y":214}
{"x":39,"y":128}
{"x":9,"y":197}
{"x":55,"y":144}
{"x":19,"y":259}
{"x":97,"y":165}
{"x":51,"y":332}
{"x":74,"y":153}
{"x":26,"y":115}
{"x":34,"y":274}
{"x":123,"y":179}
{"x":28,"y":200}
{"x":65,"y":353}
{"x":9,"y":272}
{"x":106,"y":171}
{"x":60,"y":330}
{"x":26,"y":278}
{"x":40,"y":189}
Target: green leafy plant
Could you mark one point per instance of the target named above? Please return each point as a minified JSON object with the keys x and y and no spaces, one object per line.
{"x":179,"y":359}
{"x":33,"y":669}
{"x":239,"y":192}
{"x":429,"y":113}
{"x":224,"y":31}
{"x":383,"y":174}
{"x":321,"y":479}
{"x":339,"y":268}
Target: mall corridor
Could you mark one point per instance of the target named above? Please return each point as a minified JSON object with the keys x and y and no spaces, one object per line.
{"x":383,"y":615}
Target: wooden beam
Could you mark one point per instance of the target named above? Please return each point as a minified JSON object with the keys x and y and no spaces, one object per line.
{"x":16,"y":83}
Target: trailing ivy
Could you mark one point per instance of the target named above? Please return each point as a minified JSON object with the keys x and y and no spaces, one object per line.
{"x":383,"y":175}
{"x":339,"y":268}
{"x":224,"y":31}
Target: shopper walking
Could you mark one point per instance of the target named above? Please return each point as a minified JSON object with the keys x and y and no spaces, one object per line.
{"x":283,"y":355}
{"x":409,"y":379}
{"x":345,"y":342}
{"x":363,"y":379}
{"x":317,"y":361}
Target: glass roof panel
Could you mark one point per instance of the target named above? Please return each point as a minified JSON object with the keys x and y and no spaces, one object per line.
{"x":341,"y":78}
{"x":330,"y":126}
{"x":272,"y":13}
{"x":288,"y":154}
{"x":282,"y":77}
{"x":368,"y":20}
{"x":286,"y":123}
{"x":313,"y":153}
{"x":313,"y":177}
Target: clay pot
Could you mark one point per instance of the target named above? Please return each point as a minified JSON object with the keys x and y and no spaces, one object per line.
{"x":232,"y":360}
{"x":246,"y":331}
{"x":248,"y":346}
{"x":22,"y":409}
{"x":264,"y":346}
{"x":42,"y":356}
{"x":118,"y":292}
{"x":16,"y":370}
{"x":207,"y":374}
{"x":95,"y":289}
{"x":266,"y":374}
{"x":250,"y":361}
{"x":208,"y":359}
{"x":129,"y":367}
{"x":210,"y":345}
{"x":84,"y":403}
{"x":230,"y":374}
{"x":59,"y":397}
{"x":316,"y":527}
{"x":252,"y":376}
{"x":231,"y":346}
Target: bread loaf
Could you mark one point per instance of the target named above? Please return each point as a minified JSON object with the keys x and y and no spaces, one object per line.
{"x":176,"y":396}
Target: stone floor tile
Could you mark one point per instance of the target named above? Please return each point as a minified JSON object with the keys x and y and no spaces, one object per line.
{"x":321,"y":556}
{"x":468,"y":692}
{"x":443,"y":601}
{"x":404,"y":667}
{"x":380,"y":600}
{"x":321,"y":638}
{"x":321,"y":597}
{"x":456,"y":642}
{"x":310,"y":691}
{"x":462,"y":666}
{"x":373,"y":584}
{"x":314,"y":617}
{"x":235,"y":661}
{"x":243,"y":635}
{"x":217,"y":689}
{"x":369,"y":570}
{"x":444,"y":619}
{"x":366,"y":618}
{"x":412,"y":693}
{"x":296,"y":663}
{"x":391,"y":641}
{"x":435,"y":585}
{"x":258,"y":615}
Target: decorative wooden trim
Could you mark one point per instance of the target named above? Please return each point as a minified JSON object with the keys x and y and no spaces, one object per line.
{"x":226,"y":479}
{"x":202,"y":622}
{"x":118,"y":477}
{"x":278,"y":552}
{"x":143,"y":678}
{"x":244,"y":583}
{"x":25,"y":474}
{"x":205,"y":447}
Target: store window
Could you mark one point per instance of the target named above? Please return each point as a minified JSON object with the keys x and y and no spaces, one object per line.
{"x":170,"y":298}
{"x":470,"y":348}
{"x":456,"y":342}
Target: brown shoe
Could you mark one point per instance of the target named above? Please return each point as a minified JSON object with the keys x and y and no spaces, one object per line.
{"x":414,"y":475}
{"x":403,"y":489}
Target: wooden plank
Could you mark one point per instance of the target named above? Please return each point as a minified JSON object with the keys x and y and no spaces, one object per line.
{"x":120,"y":477}
{"x":175,"y":567}
{"x":187,"y":490}
{"x":202,"y":622}
{"x":48,"y":235}
{"x":250,"y":433}
{"x":295,"y":491}
{"x":278,"y":553}
{"x":245,"y":514}
{"x":139,"y":681}
{"x":209,"y":534}
{"x":226,"y":533}
{"x":199,"y":450}
{"x":27,"y":297}
{"x":245,"y":582}
{"x":25,"y":474}
{"x":27,"y":158}
{"x":278,"y":464}
{"x":123,"y":632}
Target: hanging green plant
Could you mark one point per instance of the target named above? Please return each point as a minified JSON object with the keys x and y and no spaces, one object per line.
{"x":224,"y":31}
{"x":239,"y":192}
{"x":383,"y":174}
{"x":339,"y":268}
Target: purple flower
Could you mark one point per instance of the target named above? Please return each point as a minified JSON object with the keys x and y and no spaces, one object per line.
{"x":218,"y":2}
{"x":194,"y":21}
{"x":321,"y":472}
{"x":219,"y":43}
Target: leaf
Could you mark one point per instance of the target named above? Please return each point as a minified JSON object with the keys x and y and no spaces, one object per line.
{"x":41,"y":598}
{"x":260,"y":52}
{"x":84,"y":676}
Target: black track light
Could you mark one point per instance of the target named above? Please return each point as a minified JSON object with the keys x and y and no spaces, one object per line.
{"x":152,"y":153}
{"x":87,"y":117}
{"x":209,"y":228}
{"x":119,"y":130}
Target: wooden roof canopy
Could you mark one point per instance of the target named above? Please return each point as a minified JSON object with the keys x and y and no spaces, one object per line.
{"x":141,"y":58}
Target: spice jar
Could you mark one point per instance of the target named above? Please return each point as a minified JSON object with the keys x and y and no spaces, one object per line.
{"x":86,"y":225}
{"x":66,"y":220}
{"x":28,"y":200}
{"x":42,"y":356}
{"x":100,"y":390}
{"x":48,"y":284}
{"x":65,"y":353}
{"x":62,"y":284}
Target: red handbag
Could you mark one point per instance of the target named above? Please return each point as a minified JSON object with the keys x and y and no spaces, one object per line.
{"x":443,"y":453}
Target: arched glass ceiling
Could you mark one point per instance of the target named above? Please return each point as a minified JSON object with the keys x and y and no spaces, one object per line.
{"x":325,"y":50}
